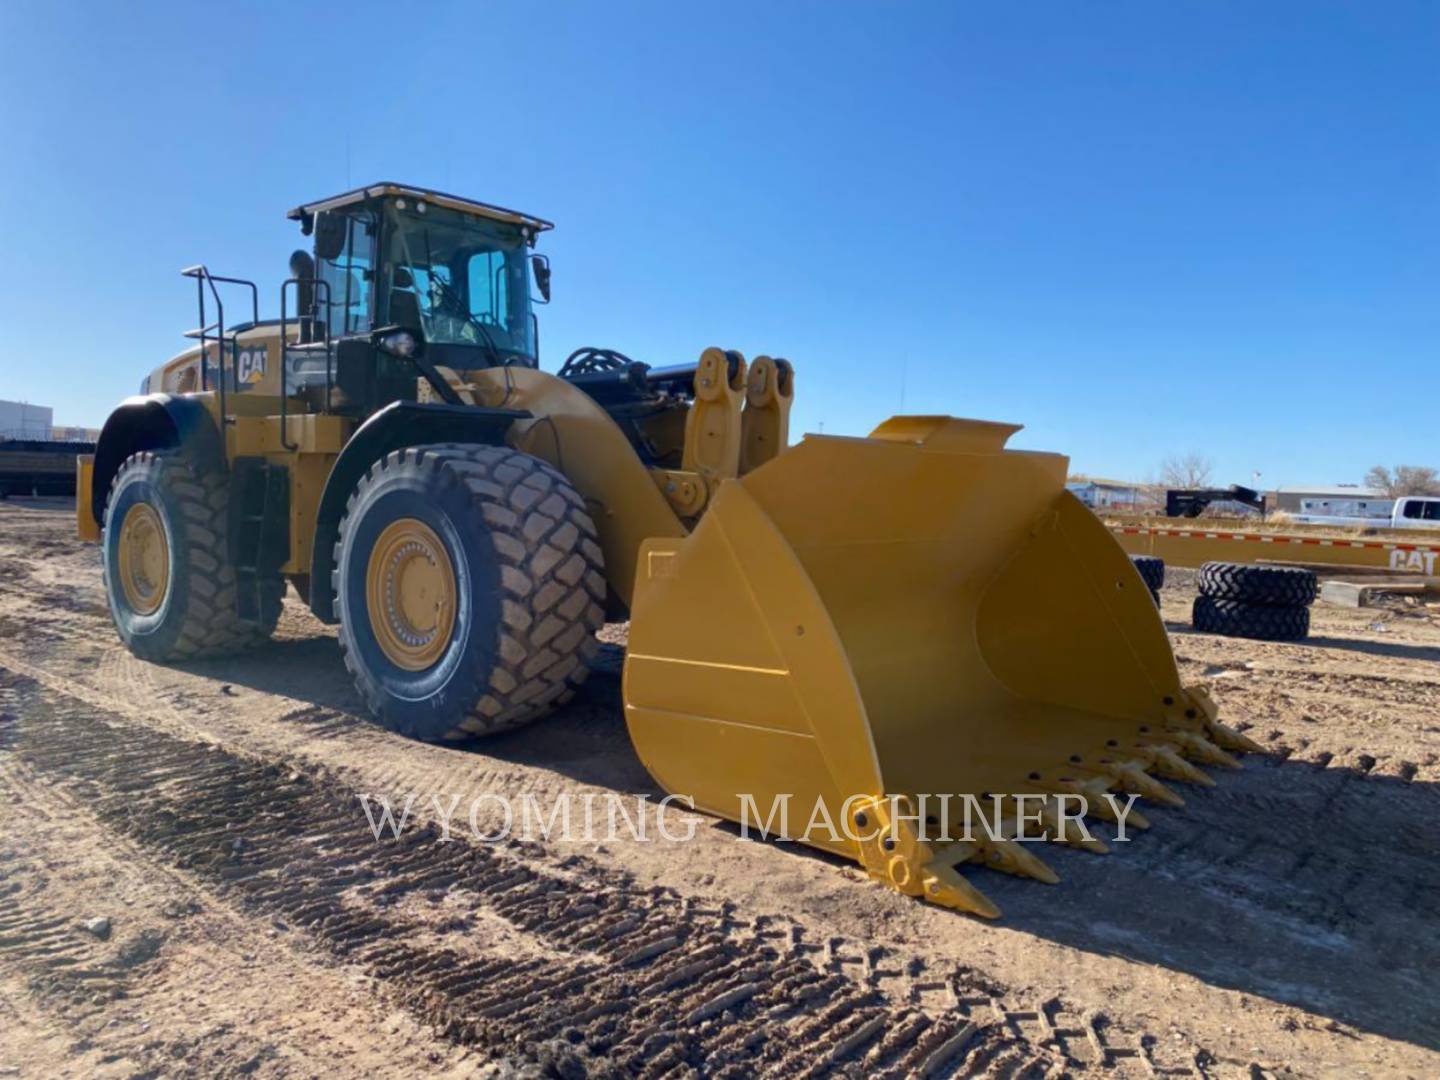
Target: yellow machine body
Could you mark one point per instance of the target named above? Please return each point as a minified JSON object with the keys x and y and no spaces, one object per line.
{"x":861,"y":622}
{"x":253,"y":357}
{"x":868,"y":636}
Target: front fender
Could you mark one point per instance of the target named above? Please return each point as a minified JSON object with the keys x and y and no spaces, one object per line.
{"x":399,"y":424}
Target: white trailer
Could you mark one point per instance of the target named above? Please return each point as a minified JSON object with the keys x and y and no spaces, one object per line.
{"x":1347,"y":507}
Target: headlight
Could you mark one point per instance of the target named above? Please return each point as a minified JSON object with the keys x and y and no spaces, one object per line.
{"x":402,"y":343}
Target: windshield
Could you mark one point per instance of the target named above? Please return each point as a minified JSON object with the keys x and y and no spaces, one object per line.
{"x":462,"y":279}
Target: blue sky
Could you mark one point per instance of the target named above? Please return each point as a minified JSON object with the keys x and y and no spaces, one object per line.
{"x":1138,"y":228}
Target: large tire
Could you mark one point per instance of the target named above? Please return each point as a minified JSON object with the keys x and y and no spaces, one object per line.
{"x":523,"y":563}
{"x":1234,"y":618}
{"x":191,"y":611}
{"x":1151,"y":569}
{"x":1272,"y":586}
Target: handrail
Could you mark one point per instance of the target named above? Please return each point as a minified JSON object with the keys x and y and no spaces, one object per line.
{"x":201,"y":273}
{"x":316,"y":284}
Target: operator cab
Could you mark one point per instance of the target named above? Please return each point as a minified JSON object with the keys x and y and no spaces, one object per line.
{"x":452,"y":272}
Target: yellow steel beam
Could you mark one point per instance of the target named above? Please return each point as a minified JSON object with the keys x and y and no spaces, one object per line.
{"x":1193,"y":547}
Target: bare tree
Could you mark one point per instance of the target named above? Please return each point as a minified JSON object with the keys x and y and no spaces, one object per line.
{"x":1192,"y":470}
{"x":1404,"y":480}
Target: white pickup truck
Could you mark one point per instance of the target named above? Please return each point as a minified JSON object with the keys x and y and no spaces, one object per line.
{"x":1409,"y":512}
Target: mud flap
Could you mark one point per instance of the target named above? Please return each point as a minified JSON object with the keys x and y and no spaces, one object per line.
{"x":86,"y":527}
{"x":865,"y":632}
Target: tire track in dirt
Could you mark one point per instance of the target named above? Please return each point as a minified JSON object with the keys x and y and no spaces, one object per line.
{"x":1330,"y":719}
{"x":176,"y":984}
{"x":1335,"y":871}
{"x":617,"y":978}
{"x":1329,"y":706}
{"x":1231,"y":932}
{"x":1353,"y":692}
{"x":45,"y":945}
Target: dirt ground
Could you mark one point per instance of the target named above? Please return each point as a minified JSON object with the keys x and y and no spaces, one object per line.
{"x":1286,"y":922}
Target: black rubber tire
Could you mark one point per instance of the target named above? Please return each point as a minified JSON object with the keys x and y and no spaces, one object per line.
{"x":1155,"y":595}
{"x":1234,"y":618}
{"x":1152,"y":570}
{"x":1270,"y":586}
{"x":198,"y":617}
{"x":530,"y":589}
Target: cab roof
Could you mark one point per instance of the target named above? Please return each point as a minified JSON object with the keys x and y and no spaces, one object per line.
{"x":439,"y":198}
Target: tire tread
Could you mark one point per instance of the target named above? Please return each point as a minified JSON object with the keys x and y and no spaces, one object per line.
{"x":1263,"y":622}
{"x":211,"y":623}
{"x":551,"y":579}
{"x":1267,"y":586}
{"x":1151,"y":569}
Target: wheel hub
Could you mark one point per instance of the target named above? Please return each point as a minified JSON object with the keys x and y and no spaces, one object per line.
{"x":144,"y":559}
{"x":411,"y":593}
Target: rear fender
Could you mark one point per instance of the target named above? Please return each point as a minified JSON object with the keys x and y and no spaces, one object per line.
{"x":152,"y":422}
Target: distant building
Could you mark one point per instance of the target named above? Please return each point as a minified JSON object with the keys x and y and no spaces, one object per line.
{"x":20,"y":420}
{"x":1110,"y":494}
{"x":1333,"y":500}
{"x":75,"y":434}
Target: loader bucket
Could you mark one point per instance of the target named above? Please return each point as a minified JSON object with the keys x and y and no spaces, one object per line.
{"x":865,"y":631}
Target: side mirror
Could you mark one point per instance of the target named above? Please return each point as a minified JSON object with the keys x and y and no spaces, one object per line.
{"x":540,"y":264}
{"x":330,"y":235}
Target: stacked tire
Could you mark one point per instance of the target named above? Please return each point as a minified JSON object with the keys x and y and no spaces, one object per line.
{"x":1152,"y":572}
{"x":1268,"y":603}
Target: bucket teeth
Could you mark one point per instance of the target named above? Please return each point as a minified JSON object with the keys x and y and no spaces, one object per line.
{"x":1172,"y":766}
{"x":1202,"y":749}
{"x":1100,"y":807}
{"x":944,"y":885}
{"x":953,"y":854}
{"x":1231,"y":739}
{"x":932,"y":866}
{"x":1071,"y":832}
{"x":1131,"y":777}
{"x":1012,"y":857}
{"x":1096,"y":805}
{"x":1133,"y":820}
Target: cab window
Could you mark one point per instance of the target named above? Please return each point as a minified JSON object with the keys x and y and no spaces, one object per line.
{"x":488,"y":290}
{"x":351,"y":277}
{"x":461,"y":278}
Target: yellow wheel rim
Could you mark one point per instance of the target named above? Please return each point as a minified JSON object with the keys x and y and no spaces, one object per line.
{"x":411,"y":592}
{"x":144,"y":557}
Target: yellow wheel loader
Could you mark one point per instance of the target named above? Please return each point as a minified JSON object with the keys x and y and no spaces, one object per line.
{"x":866,"y":634}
